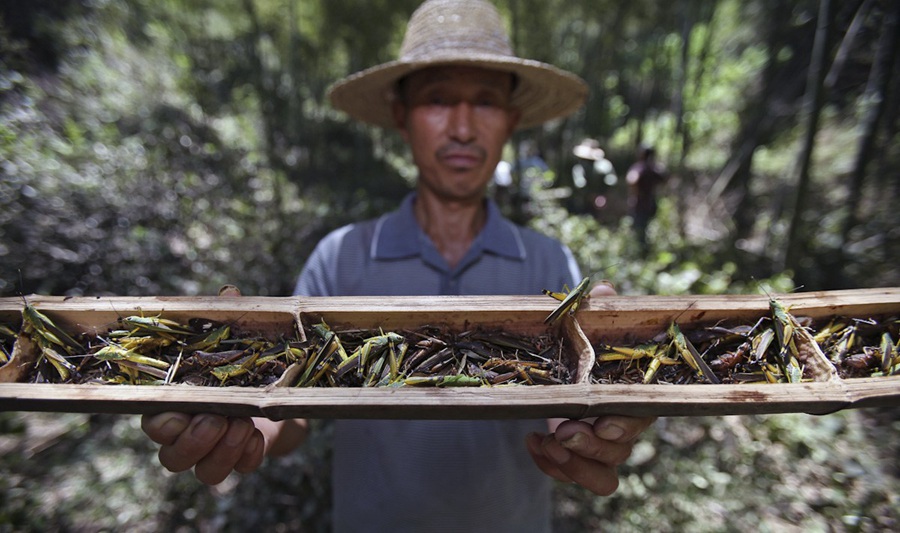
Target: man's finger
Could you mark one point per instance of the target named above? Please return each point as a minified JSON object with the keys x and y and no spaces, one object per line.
{"x":591,"y":447}
{"x":597,"y":477}
{"x":229,"y":290}
{"x":165,"y":428}
{"x":534,"y":443}
{"x":215,"y":466}
{"x":254,"y":452}
{"x":194,"y":443}
{"x":621,"y":428}
{"x":604,"y":287}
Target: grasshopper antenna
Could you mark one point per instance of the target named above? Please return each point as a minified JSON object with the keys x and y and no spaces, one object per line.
{"x":22,"y":287}
{"x":683,"y":311}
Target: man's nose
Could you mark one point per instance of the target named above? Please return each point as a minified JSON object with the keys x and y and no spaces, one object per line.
{"x":462,"y":126}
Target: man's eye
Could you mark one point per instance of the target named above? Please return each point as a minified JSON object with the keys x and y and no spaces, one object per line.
{"x":437,"y":99}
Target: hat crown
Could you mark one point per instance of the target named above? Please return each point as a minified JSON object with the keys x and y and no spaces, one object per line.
{"x":454,"y":28}
{"x":459,"y":32}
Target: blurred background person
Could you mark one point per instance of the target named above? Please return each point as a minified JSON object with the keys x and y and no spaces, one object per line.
{"x":644,"y":178}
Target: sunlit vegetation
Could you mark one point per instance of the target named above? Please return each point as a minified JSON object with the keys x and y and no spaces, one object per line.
{"x":167,"y":147}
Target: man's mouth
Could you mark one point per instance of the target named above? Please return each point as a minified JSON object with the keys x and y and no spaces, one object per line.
{"x":461,"y":157}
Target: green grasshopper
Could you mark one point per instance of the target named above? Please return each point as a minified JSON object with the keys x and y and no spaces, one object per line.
{"x":624,"y":353}
{"x":569,"y":300}
{"x":443,"y":381}
{"x":331,"y":339}
{"x":39,"y":325}
{"x":689,"y":353}
{"x":224,"y":372}
{"x":211,"y":340}
{"x":786,"y":326}
{"x":888,"y":354}
{"x":62,"y":366}
{"x":169,"y":329}
{"x":6,"y":332}
{"x":112,"y":352}
{"x":49,"y":337}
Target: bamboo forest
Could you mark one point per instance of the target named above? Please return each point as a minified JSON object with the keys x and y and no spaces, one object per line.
{"x":170,"y":147}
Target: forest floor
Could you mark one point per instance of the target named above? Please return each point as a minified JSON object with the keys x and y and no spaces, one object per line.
{"x":793,"y":472}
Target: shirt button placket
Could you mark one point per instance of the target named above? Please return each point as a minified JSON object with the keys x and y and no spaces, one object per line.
{"x":451,"y":285}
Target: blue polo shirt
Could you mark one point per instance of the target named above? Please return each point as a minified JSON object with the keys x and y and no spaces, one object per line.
{"x":436,"y":475}
{"x":392,"y":256}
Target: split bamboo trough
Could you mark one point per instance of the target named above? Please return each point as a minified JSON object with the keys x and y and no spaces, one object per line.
{"x":600,"y":320}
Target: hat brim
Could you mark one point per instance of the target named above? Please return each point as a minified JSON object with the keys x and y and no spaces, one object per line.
{"x":543,"y":92}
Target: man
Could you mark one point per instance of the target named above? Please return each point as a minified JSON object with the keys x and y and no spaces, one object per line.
{"x":643,"y":178}
{"x":456,"y":95}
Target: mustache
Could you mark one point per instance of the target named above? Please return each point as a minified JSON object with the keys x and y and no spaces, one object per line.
{"x":455,"y":148}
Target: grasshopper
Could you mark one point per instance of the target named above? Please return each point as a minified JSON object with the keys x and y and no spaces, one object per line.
{"x":569,"y":300}
{"x":237,"y":369}
{"x":211,"y":340}
{"x":49,"y":338}
{"x":624,"y":353}
{"x":112,"y":352}
{"x":63,"y":367}
{"x":331,"y":340}
{"x":689,"y":353}
{"x":169,"y":329}
{"x":47,"y":333}
{"x":444,"y":381}
{"x":888,"y":354}
{"x":785,"y":327}
{"x":6,"y":332}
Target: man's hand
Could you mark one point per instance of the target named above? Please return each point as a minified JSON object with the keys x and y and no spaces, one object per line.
{"x":211,"y":444}
{"x":214,"y":445}
{"x":587,"y":451}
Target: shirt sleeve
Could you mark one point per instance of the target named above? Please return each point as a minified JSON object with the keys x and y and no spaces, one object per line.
{"x":572,"y":265}
{"x":318,"y":275}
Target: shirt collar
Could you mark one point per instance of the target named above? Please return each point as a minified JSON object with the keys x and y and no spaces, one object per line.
{"x":398,"y":235}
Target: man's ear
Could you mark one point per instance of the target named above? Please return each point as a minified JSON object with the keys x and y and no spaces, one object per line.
{"x":400,"y":112}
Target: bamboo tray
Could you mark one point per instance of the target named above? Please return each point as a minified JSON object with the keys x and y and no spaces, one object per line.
{"x":612,"y":319}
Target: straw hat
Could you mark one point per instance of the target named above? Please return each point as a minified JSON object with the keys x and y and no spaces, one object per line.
{"x":467,"y":33}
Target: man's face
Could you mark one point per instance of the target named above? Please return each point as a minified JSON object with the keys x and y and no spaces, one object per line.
{"x":456,"y":121}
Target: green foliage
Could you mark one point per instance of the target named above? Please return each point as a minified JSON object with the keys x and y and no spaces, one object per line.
{"x":119,"y":181}
{"x":670,"y":266}
{"x":218,"y":109}
{"x":765,"y":473}
{"x":167,"y":147}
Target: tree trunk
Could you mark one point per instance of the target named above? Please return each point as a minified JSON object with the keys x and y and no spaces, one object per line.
{"x":695,"y":12}
{"x":687,"y":28}
{"x":812,"y":107}
{"x":843,"y":52}
{"x":756,"y":122}
{"x":888,"y":180}
{"x":875,"y":97}
{"x":709,"y":13}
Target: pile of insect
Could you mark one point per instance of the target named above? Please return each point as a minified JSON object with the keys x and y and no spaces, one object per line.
{"x":453,"y":357}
